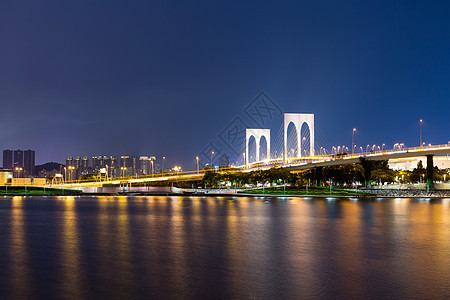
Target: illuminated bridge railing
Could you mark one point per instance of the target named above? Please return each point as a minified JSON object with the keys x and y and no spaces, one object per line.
{"x":277,"y":162}
{"x":292,"y":161}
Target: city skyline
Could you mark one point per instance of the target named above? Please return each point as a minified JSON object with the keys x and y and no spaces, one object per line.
{"x":225,"y":149}
{"x":83,"y":78}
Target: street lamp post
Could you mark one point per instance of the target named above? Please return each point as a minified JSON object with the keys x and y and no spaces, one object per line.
{"x":71,"y":173}
{"x":212,"y":153}
{"x":18,"y":171}
{"x":420,"y":131}
{"x":303,"y":146}
{"x":353,"y":137}
{"x":196,"y":158}
{"x":162,"y":171}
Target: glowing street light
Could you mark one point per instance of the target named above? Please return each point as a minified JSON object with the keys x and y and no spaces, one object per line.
{"x":303,"y":145}
{"x":196,"y":158}
{"x":162,"y":171}
{"x":71,"y":168}
{"x":18,"y":169}
{"x":212,"y":153}
{"x":420,"y":131}
{"x":177,"y":169}
{"x":123,"y":171}
{"x":353,"y":137}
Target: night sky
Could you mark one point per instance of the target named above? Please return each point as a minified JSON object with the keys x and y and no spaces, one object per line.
{"x":166,"y":78}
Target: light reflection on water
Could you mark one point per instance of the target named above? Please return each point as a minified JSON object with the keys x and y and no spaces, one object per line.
{"x":227,"y":247}
{"x":19,"y":269}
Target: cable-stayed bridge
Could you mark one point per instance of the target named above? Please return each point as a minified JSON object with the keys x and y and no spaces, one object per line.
{"x":295,"y":150}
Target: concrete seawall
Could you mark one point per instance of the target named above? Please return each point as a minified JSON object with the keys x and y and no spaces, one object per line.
{"x":408,"y":192}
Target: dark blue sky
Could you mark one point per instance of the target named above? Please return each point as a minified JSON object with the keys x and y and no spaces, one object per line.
{"x":166,"y":77}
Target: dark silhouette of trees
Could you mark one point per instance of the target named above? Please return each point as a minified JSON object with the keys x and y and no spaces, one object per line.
{"x":274,"y":175}
{"x":381,"y":172}
{"x":344,"y":175}
{"x":418,"y":173}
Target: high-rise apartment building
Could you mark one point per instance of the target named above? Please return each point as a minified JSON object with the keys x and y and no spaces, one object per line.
{"x":96,"y":161}
{"x":115,"y":166}
{"x":7,"y":159}
{"x":85,"y":165}
{"x":22,"y":162}
{"x":18,"y":159}
{"x":29,"y":162}
{"x":69,"y":162}
{"x":146,"y":165}
{"x":134,"y":165}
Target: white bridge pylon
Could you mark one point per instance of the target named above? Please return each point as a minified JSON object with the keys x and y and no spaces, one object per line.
{"x":257,"y":134}
{"x":297,"y":120}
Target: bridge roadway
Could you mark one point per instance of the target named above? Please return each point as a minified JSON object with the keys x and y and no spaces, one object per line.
{"x":293,"y":164}
{"x":373,"y":156}
{"x":143,"y":180}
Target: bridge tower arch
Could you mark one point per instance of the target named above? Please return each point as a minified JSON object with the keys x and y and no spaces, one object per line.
{"x":298,"y":120}
{"x":257,"y":134}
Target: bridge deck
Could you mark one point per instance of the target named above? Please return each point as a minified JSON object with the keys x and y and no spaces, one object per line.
{"x":292,"y":165}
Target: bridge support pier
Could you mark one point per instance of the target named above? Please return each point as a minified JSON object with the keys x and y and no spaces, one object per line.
{"x":430,"y":179}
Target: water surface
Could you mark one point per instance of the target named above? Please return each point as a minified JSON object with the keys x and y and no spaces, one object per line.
{"x":224,"y":248}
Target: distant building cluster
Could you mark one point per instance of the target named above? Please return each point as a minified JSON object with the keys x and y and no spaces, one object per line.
{"x":114,"y":166}
{"x":22,"y":162}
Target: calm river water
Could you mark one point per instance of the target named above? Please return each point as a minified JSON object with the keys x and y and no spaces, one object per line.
{"x":223,"y":248}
